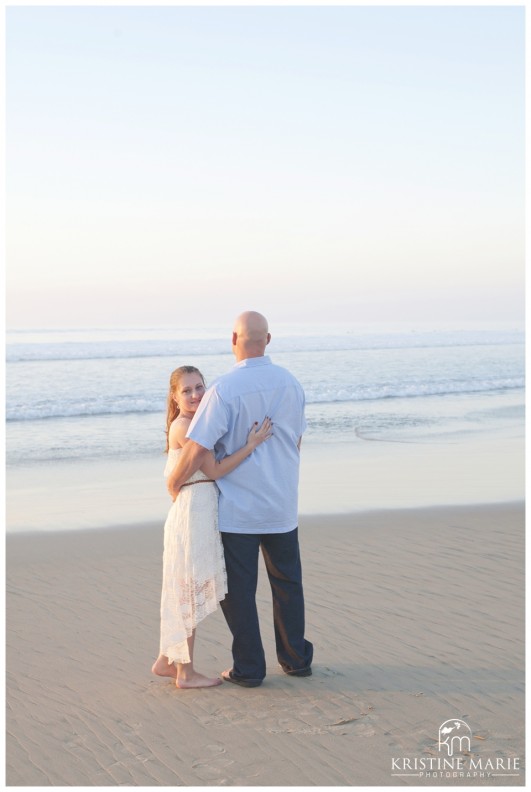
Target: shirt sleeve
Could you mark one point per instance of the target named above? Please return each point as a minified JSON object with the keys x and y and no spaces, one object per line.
{"x":211,"y":420}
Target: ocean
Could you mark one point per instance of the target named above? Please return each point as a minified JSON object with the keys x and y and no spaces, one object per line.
{"x":98,"y":395}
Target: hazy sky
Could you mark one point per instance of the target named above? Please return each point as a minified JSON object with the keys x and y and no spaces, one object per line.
{"x":174,"y":164}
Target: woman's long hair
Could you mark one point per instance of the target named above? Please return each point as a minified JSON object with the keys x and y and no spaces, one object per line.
{"x":173,"y":410}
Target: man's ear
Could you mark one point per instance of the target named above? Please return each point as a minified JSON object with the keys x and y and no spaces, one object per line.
{"x":234,"y":338}
{"x":268,"y":338}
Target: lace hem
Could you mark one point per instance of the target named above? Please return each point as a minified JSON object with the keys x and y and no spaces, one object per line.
{"x":196,"y":602}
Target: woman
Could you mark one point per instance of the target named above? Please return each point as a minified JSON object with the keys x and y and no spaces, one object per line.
{"x":194,"y":577}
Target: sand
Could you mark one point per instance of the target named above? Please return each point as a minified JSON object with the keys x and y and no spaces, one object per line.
{"x":335,"y":477}
{"x":417,"y":617}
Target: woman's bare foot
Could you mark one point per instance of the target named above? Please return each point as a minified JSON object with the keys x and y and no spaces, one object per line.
{"x":161,"y":667}
{"x":195,"y":680}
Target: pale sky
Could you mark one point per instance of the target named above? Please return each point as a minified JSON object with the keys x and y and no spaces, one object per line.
{"x":181,"y":164}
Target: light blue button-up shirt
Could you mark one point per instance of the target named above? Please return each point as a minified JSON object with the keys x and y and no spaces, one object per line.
{"x":261,"y":494}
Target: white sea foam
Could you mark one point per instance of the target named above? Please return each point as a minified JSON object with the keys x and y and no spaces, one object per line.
{"x":89,"y":393}
{"x":107,"y":404}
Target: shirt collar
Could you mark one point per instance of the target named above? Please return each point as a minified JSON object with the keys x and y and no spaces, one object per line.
{"x":265,"y":360}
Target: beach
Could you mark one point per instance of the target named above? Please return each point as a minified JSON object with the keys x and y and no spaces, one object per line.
{"x":412,"y":538}
{"x":336,"y":478}
{"x":356,"y":175}
{"x":416,"y":616}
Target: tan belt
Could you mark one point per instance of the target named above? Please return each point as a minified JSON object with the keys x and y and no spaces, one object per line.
{"x":199,"y":481}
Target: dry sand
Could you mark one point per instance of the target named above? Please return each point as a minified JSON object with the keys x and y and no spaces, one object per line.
{"x":417,"y":617}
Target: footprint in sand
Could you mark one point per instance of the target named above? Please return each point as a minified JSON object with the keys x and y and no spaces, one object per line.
{"x":358,"y":725}
{"x":213,"y":770}
{"x":215,"y":748}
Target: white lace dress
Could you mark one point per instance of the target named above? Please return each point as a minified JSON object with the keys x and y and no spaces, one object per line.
{"x":194,"y":579}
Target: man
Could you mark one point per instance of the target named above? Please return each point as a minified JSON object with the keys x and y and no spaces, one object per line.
{"x":258,"y":500}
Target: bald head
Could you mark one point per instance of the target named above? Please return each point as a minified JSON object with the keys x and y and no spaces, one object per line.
{"x":250,"y":336}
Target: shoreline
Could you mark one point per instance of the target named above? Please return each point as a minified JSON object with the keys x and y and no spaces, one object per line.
{"x":335,"y":478}
{"x":416,"y":615}
{"x":306,"y":519}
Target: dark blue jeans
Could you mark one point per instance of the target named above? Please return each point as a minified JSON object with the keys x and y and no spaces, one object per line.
{"x":282,"y":559}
